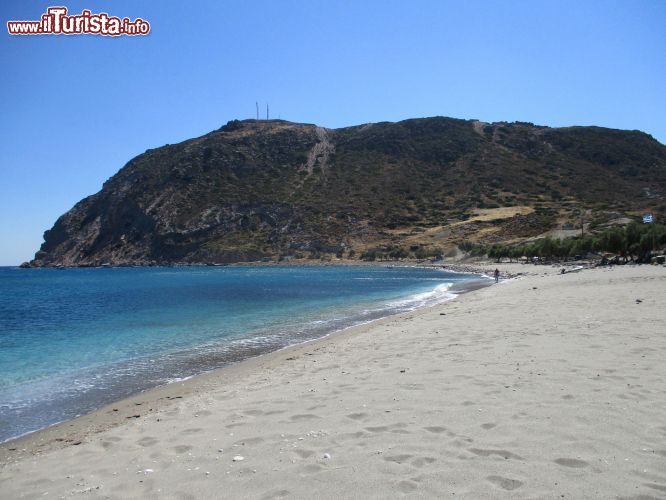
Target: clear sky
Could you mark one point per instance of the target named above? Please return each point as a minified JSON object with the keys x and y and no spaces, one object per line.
{"x":73,"y":110}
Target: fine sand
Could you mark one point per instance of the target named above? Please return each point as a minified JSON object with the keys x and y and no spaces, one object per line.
{"x":545,"y":386}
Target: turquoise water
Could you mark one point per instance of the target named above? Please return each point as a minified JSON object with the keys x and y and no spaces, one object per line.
{"x":72,"y":340}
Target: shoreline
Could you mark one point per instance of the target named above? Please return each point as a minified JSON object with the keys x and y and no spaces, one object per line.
{"x":481,"y":269}
{"x":456,"y":290}
{"x":464,"y":263}
{"x":499,"y":393}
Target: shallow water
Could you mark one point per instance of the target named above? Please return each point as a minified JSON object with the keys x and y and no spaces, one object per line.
{"x":72,"y":340}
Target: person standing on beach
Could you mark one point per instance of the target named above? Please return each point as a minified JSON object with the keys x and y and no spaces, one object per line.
{"x":496,"y":275}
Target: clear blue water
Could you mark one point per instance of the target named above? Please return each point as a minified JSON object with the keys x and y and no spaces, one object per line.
{"x":72,"y":340}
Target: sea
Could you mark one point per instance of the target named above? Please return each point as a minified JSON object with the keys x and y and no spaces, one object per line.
{"x":73,"y":340}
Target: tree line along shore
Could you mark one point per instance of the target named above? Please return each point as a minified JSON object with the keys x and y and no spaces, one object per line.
{"x":640,"y":243}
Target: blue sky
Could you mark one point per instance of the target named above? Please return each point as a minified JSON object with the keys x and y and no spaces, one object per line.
{"x":73,"y":110}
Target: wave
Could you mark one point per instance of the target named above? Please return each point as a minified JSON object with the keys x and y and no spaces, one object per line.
{"x":440,"y":293}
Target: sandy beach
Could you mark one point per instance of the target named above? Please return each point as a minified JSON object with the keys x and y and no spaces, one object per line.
{"x":547,"y":385}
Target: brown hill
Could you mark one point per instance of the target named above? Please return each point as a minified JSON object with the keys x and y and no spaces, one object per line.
{"x":263,"y":189}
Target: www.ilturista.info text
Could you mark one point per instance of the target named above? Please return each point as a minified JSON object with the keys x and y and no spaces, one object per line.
{"x":56,"y":21}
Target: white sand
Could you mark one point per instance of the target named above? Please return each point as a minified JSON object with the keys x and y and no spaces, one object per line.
{"x":541,"y":387}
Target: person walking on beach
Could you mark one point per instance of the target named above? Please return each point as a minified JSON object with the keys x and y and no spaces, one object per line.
{"x":496,"y":275}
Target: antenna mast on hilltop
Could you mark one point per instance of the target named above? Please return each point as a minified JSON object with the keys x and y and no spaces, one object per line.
{"x":267,"y":111}
{"x":257,"y":105}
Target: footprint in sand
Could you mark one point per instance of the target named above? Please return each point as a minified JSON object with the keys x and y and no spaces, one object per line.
{"x":182,"y":448}
{"x":571,"y":462}
{"x":305,"y":416}
{"x":505,"y":483}
{"x":398,"y":459}
{"x":192,"y":431}
{"x":435,"y":429}
{"x":303,"y":453}
{"x":380,"y":428}
{"x":147,"y":441}
{"x":274,"y":412}
{"x":357,"y":416}
{"x":502,"y":453}
{"x":236,"y":424}
{"x":488,"y":426}
{"x":422,"y":461}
